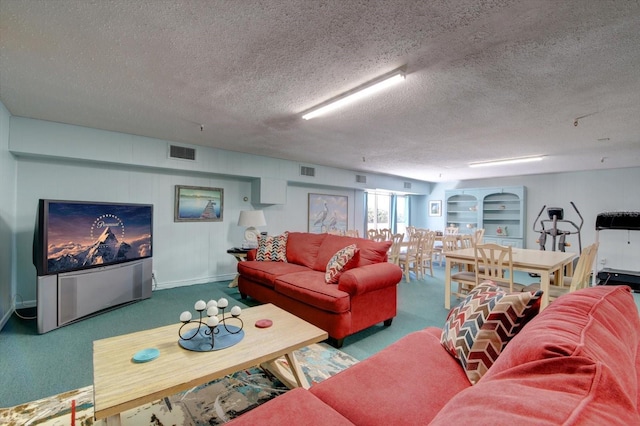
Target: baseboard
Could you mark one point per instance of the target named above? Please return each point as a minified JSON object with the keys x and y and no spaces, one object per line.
{"x":5,"y":318}
{"x":203,"y":280}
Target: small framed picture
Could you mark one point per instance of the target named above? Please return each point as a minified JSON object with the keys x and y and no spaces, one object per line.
{"x":198,"y":204}
{"x":435,"y":208}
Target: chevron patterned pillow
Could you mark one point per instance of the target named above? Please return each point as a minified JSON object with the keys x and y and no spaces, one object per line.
{"x":479,"y":328}
{"x":272,"y":249}
{"x":338,"y":262}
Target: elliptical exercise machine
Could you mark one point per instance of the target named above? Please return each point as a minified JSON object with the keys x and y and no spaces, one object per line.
{"x":549,"y":227}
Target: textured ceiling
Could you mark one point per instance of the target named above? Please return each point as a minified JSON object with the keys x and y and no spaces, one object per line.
{"x":485,"y":79}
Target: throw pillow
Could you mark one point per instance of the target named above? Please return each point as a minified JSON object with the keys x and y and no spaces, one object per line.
{"x":337,"y":264}
{"x":272,"y":249}
{"x":479,"y":328}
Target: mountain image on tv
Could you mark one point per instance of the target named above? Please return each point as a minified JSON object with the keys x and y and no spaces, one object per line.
{"x":107,"y":249}
{"x":74,"y":242}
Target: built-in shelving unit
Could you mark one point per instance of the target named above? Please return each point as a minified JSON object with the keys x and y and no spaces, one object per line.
{"x":500,"y":211}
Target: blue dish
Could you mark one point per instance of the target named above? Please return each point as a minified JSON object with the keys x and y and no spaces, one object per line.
{"x":146,"y":355}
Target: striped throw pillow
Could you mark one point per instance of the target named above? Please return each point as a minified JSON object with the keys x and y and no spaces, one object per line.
{"x":338,"y":262}
{"x":272,"y":249}
{"x":479,"y":328}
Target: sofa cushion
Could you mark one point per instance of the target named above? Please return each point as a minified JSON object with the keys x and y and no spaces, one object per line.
{"x":266,"y":273}
{"x":599,"y":323}
{"x":369,"y":251}
{"x":552,"y":391}
{"x":272,"y":249}
{"x":477,"y":330}
{"x":339,"y":263}
{"x":309,"y":287}
{"x":407,"y":383}
{"x":302,"y":248}
{"x":294,"y":407}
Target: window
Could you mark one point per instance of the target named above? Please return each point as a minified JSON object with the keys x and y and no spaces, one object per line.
{"x":380,"y":212}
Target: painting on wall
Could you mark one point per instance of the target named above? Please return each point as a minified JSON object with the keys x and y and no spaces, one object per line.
{"x":435,"y":208}
{"x":327,"y":213}
{"x":198,"y":204}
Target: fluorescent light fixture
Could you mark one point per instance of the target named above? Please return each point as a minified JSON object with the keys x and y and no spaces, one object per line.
{"x":506,"y":161}
{"x":356,"y":94}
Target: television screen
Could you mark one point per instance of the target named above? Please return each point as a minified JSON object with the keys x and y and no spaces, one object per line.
{"x":74,"y":235}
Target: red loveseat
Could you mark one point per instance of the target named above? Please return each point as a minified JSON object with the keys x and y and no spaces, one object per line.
{"x":575,"y":363}
{"x":366,"y":293}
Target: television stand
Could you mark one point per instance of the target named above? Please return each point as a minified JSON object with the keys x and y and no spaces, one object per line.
{"x":72,"y":296}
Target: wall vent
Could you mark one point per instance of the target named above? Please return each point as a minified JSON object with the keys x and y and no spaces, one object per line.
{"x":407,"y":185}
{"x":361,"y":179}
{"x":182,"y":152}
{"x":307,"y":171}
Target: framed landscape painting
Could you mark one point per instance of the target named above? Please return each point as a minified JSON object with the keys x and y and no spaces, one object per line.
{"x":198,"y":204}
{"x":327,"y":213}
{"x":435,"y":208}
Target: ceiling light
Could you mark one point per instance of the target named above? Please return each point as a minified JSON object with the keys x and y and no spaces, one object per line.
{"x":506,"y":161}
{"x":359,"y":92}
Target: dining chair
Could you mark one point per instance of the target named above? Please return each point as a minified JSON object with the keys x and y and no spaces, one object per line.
{"x":371,"y":233}
{"x":379,"y":238}
{"x":352,"y":233}
{"x":426,"y":252}
{"x":580,"y":279}
{"x":409,"y":260}
{"x":449,"y":243}
{"x":386,"y":234}
{"x":478,"y":236}
{"x":396,"y":245}
{"x":409,"y":230}
{"x":465,"y":277}
{"x":465,"y":241}
{"x":495,"y":262}
{"x":451,"y":230}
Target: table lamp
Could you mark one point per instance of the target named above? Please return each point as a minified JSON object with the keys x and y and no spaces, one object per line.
{"x":251,"y":219}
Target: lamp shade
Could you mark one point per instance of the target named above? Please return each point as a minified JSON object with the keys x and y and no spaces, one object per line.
{"x":251,"y":218}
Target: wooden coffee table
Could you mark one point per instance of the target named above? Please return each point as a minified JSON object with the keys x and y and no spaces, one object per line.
{"x":119,"y":384}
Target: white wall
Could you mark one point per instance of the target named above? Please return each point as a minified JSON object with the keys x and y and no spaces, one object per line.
{"x":7,"y":217}
{"x":592,"y":192}
{"x":69,"y":162}
{"x":58,"y":161}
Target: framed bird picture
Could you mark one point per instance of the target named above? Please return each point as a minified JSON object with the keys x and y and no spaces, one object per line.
{"x":328,"y":213}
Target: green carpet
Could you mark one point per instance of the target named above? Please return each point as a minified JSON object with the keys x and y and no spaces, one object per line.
{"x":38,"y":366}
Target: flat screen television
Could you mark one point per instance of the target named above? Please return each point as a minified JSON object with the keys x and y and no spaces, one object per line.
{"x":77,"y":235}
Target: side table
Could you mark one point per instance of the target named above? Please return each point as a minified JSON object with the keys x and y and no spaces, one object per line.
{"x":241,"y":255}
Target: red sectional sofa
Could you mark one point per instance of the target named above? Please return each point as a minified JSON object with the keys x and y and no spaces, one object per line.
{"x":575,"y":363}
{"x":366,"y":293}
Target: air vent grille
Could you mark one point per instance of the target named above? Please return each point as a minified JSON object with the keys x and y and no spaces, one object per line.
{"x":182,"y":152}
{"x":407,"y":185}
{"x":361,"y":179}
{"x":307,"y":171}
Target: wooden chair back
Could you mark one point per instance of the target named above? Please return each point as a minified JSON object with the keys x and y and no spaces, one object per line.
{"x":478,"y":236}
{"x":451,"y":230}
{"x":352,"y":233}
{"x":491,"y":263}
{"x":386,"y":234}
{"x":372,"y":233}
{"x":466,"y":241}
{"x":396,"y":245}
{"x":582,"y":274}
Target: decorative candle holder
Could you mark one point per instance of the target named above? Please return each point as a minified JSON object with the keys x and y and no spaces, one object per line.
{"x":212,"y":333}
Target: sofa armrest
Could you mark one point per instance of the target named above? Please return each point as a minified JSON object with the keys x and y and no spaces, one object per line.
{"x":251,"y":254}
{"x":370,"y":278}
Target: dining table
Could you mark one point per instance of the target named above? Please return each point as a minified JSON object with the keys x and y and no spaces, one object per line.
{"x":541,"y":262}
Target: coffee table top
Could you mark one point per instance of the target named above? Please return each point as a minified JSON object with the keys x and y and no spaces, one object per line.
{"x":120,"y":384}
